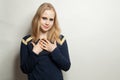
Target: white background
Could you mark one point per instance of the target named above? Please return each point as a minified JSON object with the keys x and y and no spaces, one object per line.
{"x":91,"y":27}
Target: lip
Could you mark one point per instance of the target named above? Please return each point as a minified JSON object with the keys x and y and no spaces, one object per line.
{"x":46,"y":27}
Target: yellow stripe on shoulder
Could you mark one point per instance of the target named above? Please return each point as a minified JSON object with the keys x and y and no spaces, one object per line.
{"x":62,"y":41}
{"x":27,"y":40}
{"x":24,"y":42}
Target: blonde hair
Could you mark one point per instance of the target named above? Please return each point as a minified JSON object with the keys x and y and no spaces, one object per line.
{"x":54,"y":32}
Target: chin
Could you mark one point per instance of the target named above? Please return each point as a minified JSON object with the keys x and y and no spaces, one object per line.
{"x":45,"y":31}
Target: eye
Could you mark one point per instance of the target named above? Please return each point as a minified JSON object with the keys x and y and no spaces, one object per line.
{"x":44,"y":18}
{"x":51,"y":19}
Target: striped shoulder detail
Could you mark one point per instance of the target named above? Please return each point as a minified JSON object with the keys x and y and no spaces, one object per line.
{"x":25,"y":41}
{"x":62,"y":40}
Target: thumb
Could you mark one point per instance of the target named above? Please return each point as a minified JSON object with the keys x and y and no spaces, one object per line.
{"x":55,"y":42}
{"x":33,"y":43}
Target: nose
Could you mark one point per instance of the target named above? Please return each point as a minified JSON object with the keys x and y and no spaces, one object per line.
{"x":47,"y":22}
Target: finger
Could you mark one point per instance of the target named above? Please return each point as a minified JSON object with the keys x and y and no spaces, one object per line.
{"x":55,"y":42}
{"x":40,"y":45}
{"x":33,"y":43}
{"x":44,"y":42}
{"x":43,"y":46}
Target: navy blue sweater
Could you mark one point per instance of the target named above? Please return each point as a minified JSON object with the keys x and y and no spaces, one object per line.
{"x":46,"y":65}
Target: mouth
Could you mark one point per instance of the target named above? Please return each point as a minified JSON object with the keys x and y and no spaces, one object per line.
{"x":46,"y":27}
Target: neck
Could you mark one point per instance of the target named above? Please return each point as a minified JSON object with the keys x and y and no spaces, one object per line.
{"x":43,"y":35}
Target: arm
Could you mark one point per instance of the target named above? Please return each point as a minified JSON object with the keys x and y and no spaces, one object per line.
{"x":60,"y":55}
{"x":28,"y":59}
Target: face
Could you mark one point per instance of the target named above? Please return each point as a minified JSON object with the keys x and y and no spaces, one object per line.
{"x":47,"y":20}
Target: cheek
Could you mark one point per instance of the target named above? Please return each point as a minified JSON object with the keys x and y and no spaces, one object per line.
{"x":51,"y":23}
{"x":42,"y":21}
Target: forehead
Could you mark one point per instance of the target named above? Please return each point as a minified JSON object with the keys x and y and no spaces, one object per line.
{"x":48,"y":13}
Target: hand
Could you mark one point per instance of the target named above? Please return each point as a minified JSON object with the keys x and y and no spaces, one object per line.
{"x":37,"y":48}
{"x":47,"y":45}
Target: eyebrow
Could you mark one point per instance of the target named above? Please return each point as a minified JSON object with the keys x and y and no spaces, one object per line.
{"x":51,"y":19}
{"x":46,"y":18}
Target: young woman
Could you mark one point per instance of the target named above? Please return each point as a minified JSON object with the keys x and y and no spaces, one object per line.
{"x":44,"y":53}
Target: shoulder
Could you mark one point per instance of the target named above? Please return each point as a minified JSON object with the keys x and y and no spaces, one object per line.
{"x":62,"y":39}
{"x":26,"y":39}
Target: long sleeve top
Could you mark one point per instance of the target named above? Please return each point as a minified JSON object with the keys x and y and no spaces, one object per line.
{"x":46,"y":65}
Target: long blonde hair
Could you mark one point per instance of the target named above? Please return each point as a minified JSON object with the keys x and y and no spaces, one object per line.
{"x":54,"y":32}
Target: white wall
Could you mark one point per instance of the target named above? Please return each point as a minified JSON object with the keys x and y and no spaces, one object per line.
{"x":92,"y":29}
